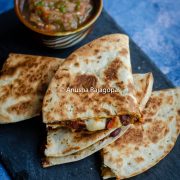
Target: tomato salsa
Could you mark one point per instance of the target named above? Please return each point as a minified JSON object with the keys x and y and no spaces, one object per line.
{"x":58,"y":15}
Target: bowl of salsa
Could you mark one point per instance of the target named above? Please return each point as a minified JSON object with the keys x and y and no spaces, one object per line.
{"x":59,"y":23}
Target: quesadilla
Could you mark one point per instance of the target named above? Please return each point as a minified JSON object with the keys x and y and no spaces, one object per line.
{"x":51,"y":161}
{"x":23,"y":82}
{"x":65,"y":146}
{"x":76,"y":98}
{"x":144,"y":145}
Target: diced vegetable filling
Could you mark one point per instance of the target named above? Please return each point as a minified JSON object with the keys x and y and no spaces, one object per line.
{"x":59,"y":15}
{"x":99,"y":124}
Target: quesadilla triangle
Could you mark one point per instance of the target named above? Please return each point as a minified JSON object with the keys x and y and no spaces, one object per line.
{"x":64,"y":146}
{"x":76,"y":98}
{"x":23,"y":82}
{"x":144,"y":145}
{"x":51,"y":161}
{"x":143,"y":88}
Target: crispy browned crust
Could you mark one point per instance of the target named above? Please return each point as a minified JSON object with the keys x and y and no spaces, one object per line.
{"x":60,"y":138}
{"x":84,"y":68}
{"x":23,"y":83}
{"x":159,"y":131}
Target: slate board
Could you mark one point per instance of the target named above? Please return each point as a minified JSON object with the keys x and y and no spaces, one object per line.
{"x":20,"y":142}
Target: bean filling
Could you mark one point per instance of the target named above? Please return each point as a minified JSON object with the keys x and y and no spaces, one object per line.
{"x":125,"y":120}
{"x":115,"y":133}
{"x":80,"y":124}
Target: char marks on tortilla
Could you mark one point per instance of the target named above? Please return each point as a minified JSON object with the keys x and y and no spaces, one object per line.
{"x":144,"y":145}
{"x":23,"y":83}
{"x":103,"y":63}
{"x":64,"y":146}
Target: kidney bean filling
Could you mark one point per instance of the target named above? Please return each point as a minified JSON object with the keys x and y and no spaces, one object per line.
{"x":115,"y":133}
{"x":80,"y":124}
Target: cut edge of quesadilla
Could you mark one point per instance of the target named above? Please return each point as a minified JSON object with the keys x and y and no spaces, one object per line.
{"x":146,"y":81}
{"x":63,"y":142}
{"x":143,"y":84}
{"x":108,"y":173}
{"x":165,"y":144}
{"x":51,"y":161}
{"x":115,"y":71}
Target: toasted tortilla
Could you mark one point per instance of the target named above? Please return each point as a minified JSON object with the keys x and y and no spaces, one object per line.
{"x":102,"y":64}
{"x":65,"y":146}
{"x":51,"y":161}
{"x":144,"y":145}
{"x":143,"y":86}
{"x":23,"y":82}
{"x":63,"y":142}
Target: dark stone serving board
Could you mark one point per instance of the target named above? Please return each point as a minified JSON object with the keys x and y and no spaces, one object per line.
{"x":20,"y":142}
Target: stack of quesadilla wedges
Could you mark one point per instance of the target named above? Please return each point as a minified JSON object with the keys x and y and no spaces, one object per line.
{"x":23,"y":82}
{"x":79,"y":124}
{"x":102,"y":64}
{"x":64,"y":146}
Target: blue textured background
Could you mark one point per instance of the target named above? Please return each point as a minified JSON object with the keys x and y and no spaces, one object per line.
{"x":153,"y":24}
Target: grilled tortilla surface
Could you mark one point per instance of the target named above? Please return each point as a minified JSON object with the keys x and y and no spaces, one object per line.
{"x":102,"y":64}
{"x":23,"y":82}
{"x":144,"y":145}
{"x":65,"y":146}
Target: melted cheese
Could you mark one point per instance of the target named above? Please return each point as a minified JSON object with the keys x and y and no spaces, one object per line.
{"x":95,"y":124}
{"x":100,"y":124}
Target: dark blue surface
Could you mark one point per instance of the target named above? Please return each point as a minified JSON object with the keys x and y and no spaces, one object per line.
{"x":5,"y":5}
{"x":3,"y":173}
{"x":153,"y":24}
